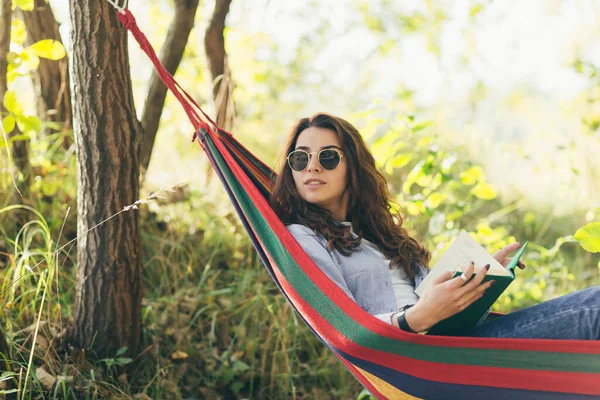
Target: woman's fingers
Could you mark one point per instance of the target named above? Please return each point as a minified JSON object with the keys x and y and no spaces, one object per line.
{"x":443,"y":277}
{"x":520,"y":263}
{"x":463,"y":278}
{"x":476,"y":281}
{"x":501,"y":254}
{"x":477,"y":293}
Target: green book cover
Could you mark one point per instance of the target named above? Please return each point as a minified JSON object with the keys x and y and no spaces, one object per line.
{"x":466,"y":248}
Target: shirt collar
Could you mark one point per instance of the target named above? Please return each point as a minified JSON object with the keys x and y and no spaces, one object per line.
{"x":346,"y":223}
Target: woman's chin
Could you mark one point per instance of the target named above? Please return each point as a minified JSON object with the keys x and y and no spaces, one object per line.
{"x":314,"y":198}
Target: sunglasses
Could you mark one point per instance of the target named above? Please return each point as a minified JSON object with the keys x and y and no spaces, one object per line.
{"x":329,"y":159}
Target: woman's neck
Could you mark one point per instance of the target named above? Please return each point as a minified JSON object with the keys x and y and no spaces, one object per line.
{"x":340,"y":211}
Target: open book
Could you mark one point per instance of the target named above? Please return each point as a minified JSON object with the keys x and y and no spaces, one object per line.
{"x":458,"y":256}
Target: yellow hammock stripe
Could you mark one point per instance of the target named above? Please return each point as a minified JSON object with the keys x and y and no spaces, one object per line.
{"x":389,"y":391}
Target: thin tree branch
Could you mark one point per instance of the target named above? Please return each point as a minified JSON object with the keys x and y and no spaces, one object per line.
{"x":171,"y":55}
{"x":214,"y":45}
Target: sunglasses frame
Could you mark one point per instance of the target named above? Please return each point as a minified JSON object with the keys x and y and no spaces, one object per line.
{"x":318,"y":159}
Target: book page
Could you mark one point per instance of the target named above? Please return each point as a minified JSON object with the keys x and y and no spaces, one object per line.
{"x":459,"y":255}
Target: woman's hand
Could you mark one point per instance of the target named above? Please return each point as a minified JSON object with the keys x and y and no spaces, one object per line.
{"x":501,"y":254}
{"x":446,"y":296}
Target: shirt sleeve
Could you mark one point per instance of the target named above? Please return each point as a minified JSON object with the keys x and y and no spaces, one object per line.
{"x":385,"y":317}
{"x":319,"y":254}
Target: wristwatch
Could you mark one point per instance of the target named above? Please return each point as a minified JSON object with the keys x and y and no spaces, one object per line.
{"x":403,"y":323}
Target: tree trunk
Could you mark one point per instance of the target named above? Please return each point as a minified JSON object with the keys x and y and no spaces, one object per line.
{"x":107,"y":137}
{"x":6,"y":18}
{"x":214,"y":45}
{"x":51,"y":79}
{"x":171,"y":54}
{"x":19,"y":148}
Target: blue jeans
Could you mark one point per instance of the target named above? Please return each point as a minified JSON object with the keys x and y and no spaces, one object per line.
{"x":573,"y":316}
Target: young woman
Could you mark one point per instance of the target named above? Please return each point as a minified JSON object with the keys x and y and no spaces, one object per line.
{"x":336,"y":203}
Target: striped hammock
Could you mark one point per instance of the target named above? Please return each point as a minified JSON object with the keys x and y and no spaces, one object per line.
{"x":389,"y":362}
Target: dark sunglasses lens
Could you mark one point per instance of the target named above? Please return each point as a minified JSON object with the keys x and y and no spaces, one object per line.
{"x":298,"y":160}
{"x":329,"y":159}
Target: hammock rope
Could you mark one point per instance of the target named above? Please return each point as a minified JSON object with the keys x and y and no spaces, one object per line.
{"x":389,"y":362}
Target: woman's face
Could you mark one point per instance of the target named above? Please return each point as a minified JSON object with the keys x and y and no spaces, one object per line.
{"x":326,"y":188}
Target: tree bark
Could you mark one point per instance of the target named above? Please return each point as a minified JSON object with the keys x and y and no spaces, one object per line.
{"x":19,"y":148}
{"x":214,"y":45}
{"x":51,"y":79}
{"x":171,"y":55}
{"x":107,"y":137}
{"x":6,"y":18}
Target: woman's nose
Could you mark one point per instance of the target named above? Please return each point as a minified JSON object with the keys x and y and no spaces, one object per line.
{"x":313,"y":163}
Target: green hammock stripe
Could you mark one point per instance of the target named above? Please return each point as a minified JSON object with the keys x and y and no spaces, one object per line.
{"x":357,"y":333}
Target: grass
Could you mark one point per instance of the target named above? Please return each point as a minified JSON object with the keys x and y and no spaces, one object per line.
{"x":214,"y":324}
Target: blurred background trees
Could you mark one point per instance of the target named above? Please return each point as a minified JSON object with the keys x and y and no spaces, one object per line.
{"x":483,"y":118}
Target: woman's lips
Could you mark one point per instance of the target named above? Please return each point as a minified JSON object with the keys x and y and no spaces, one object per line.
{"x":312,"y":182}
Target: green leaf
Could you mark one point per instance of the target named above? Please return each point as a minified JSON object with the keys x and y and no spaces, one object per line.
{"x":476,"y":9}
{"x":49,"y":188}
{"x":401,"y":160}
{"x":423,"y":180}
{"x":415,"y":208}
{"x":18,"y":33}
{"x":30,"y":58}
{"x":472,"y":175}
{"x":121,"y":351}
{"x":123,"y":360}
{"x":12,"y":73}
{"x":10,"y":102}
{"x":8,"y":123}
{"x":25,"y":5}
{"x":240,"y":366}
{"x":31,"y":124}
{"x":18,"y":138}
{"x":588,"y":237}
{"x":435,"y":199}
{"x":365,"y":395}
{"x":6,"y":375}
{"x":50,"y":49}
{"x":237,"y":386}
{"x":484,"y":191}
{"x":421,"y":126}
{"x":425,"y":142}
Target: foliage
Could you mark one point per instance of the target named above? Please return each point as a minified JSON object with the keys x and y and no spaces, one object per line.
{"x":441,"y":191}
{"x":589,"y":237}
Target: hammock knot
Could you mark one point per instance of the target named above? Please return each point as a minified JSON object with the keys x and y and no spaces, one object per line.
{"x":127,"y":19}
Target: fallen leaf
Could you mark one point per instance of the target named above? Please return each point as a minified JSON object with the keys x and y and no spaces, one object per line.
{"x":45,"y":378}
{"x":123,"y":379}
{"x":179,"y":355}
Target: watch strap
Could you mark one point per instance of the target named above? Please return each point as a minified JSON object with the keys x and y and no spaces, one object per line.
{"x":403,"y":324}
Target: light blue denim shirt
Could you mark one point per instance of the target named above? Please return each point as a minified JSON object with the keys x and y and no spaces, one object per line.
{"x":364,"y":275}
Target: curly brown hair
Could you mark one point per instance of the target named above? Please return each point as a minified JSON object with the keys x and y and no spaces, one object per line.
{"x":369,"y":205}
